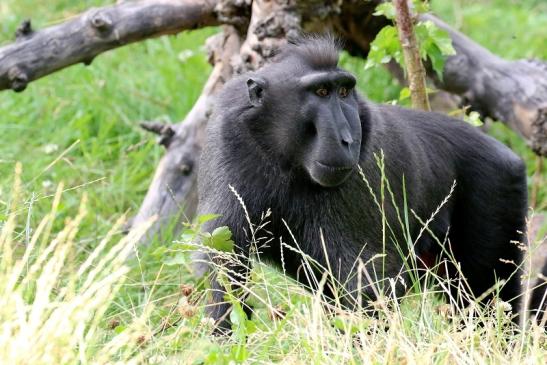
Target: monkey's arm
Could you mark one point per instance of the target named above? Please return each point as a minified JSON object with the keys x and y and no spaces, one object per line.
{"x":227,"y":271}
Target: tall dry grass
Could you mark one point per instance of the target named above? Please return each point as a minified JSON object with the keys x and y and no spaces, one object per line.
{"x":52,"y":310}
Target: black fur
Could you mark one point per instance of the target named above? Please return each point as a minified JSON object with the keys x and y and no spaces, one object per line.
{"x":271,"y":137}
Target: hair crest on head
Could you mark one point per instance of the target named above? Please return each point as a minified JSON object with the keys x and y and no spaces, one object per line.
{"x":320,"y":51}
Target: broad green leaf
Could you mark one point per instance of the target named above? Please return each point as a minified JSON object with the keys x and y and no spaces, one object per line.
{"x":441,"y":38}
{"x":435,"y":44}
{"x":237,"y":315}
{"x":206,"y":351}
{"x":474,"y":118}
{"x":183,"y":246}
{"x":221,"y":239}
{"x":404,"y":94}
{"x":239,"y":352}
{"x":187,"y":237}
{"x":385,"y":9}
{"x":342,"y":325}
{"x":207,"y":217}
{"x":437,"y":59}
{"x":385,"y":47}
{"x":250,"y":327}
{"x":428,"y":32}
{"x":420,"y":6}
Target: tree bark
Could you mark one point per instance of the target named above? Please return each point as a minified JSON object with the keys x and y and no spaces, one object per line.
{"x":514,"y":92}
{"x":411,"y":52}
{"x":173,"y":191}
{"x":81,"y":39}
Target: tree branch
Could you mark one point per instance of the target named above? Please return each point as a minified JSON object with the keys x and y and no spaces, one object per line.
{"x":514,"y":92}
{"x":81,"y":39}
{"x":173,"y":190}
{"x":414,"y":68}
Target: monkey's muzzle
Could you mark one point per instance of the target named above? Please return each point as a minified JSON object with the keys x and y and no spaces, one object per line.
{"x":329,"y":175}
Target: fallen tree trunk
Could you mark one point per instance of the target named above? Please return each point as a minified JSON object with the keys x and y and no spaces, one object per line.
{"x":173,"y":191}
{"x":81,"y":39}
{"x":514,"y":92}
{"x":485,"y":81}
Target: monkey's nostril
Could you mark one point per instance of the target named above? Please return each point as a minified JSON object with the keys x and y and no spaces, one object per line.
{"x":311,"y":130}
{"x":346,"y":138}
{"x":347,"y":141}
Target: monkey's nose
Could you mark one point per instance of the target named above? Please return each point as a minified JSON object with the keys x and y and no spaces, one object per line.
{"x":346,"y":138}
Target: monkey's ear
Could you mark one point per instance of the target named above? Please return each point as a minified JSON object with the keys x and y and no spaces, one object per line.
{"x":256,"y":86}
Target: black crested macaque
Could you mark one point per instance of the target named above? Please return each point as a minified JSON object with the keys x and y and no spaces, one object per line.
{"x":294,"y":137}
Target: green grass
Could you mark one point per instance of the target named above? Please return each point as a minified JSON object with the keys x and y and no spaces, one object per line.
{"x":80,"y":127}
{"x":96,"y":110}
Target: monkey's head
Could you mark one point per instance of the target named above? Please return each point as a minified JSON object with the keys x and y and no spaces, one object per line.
{"x":306,"y":112}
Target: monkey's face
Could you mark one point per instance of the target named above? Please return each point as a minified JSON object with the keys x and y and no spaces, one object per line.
{"x":311,"y":121}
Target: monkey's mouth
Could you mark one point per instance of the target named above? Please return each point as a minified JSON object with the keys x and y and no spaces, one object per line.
{"x":329,"y":175}
{"x":334,"y":168}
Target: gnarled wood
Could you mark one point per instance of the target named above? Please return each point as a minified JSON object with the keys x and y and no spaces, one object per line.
{"x":37,"y":54}
{"x":514,"y":92}
{"x":173,"y":191}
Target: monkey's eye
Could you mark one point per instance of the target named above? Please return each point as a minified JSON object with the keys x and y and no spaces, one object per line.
{"x":343,"y":92}
{"x":322,"y":91}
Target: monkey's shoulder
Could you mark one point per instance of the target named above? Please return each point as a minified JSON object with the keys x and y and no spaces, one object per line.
{"x":441,"y":134}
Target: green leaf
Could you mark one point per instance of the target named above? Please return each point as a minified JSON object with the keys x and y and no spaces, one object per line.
{"x":441,"y":38}
{"x":437,"y":59}
{"x":428,"y":33}
{"x":435,"y":44}
{"x":250,"y":327}
{"x":207,"y":217}
{"x":206,"y":351}
{"x":342,"y":325}
{"x":239,"y":352}
{"x":385,"y":47}
{"x":221,"y":239}
{"x":160,"y":251}
{"x":188,"y":235}
{"x":474,"y":119}
{"x":404,"y":94}
{"x":420,"y":6}
{"x":178,"y":259}
{"x":237,"y":316}
{"x":183,"y":246}
{"x":385,"y":9}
